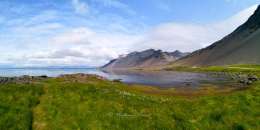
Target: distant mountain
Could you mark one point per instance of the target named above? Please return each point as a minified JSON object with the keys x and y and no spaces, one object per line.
{"x":240,"y":47}
{"x":46,"y":67}
{"x":144,"y":59}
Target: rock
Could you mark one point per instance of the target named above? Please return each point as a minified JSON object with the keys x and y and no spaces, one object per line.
{"x":252,"y":77}
{"x":188,"y":83}
{"x":23,"y":79}
{"x":249,"y":82}
{"x":242,"y":81}
{"x":43,"y":76}
{"x":3,"y":80}
{"x":117,"y":80}
{"x":81,"y":76}
{"x":245,"y":82}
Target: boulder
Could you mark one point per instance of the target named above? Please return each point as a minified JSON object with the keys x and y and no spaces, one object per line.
{"x":117,"y":80}
{"x":252,"y":77}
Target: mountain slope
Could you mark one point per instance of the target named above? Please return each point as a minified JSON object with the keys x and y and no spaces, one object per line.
{"x":240,"y":47}
{"x":147,"y":58}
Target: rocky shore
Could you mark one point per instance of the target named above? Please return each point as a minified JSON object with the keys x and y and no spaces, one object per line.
{"x":21,"y":79}
{"x":245,"y":79}
{"x":248,"y":79}
{"x":29,"y":79}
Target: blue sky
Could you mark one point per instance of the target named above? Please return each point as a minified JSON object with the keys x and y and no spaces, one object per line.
{"x":92,"y":32}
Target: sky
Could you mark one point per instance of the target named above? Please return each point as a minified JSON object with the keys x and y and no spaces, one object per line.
{"x":92,"y":32}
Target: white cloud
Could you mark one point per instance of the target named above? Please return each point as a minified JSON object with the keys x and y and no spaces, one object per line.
{"x":173,"y":36}
{"x":80,"y":7}
{"x":44,"y":16}
{"x":74,"y":36}
{"x":79,"y":46}
{"x":36,"y":30}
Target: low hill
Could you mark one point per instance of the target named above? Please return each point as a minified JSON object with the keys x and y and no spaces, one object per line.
{"x":147,"y":58}
{"x":240,"y":47}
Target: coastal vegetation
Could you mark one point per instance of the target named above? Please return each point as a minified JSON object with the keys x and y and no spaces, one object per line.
{"x":254,"y":69}
{"x":90,"y":102}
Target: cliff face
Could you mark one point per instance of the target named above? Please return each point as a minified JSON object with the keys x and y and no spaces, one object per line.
{"x":147,"y":58}
{"x":240,"y":47}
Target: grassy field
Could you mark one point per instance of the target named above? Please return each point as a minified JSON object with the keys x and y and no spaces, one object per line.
{"x":254,"y":69}
{"x":90,"y":103}
{"x":16,"y":104}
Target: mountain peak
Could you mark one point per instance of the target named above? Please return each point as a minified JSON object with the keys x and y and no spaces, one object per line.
{"x":254,"y":20}
{"x":252,"y":24}
{"x":176,"y":52}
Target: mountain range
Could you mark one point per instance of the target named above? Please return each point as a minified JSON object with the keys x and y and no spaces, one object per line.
{"x":144,"y":59}
{"x":242,"y":46}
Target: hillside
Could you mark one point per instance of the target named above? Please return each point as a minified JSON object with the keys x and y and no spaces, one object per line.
{"x":147,"y":58}
{"x":240,"y":47}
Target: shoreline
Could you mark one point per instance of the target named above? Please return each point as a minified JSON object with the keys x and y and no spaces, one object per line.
{"x":206,"y":89}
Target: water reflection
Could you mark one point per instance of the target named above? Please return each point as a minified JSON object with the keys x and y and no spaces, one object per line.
{"x":166,"y":78}
{"x":156,"y":78}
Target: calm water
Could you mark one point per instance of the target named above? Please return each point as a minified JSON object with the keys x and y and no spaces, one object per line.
{"x":161,"y":79}
{"x":51,"y":72}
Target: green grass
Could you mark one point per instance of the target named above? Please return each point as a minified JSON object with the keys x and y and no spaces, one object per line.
{"x":91,"y":103}
{"x":254,"y":69}
{"x":16,"y":104}
{"x":248,"y":66}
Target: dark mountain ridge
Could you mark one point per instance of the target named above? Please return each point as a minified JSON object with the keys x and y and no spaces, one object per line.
{"x":240,"y":47}
{"x":147,"y":58}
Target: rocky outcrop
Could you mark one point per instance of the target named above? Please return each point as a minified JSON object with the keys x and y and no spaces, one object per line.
{"x":248,"y":79}
{"x":21,"y":79}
